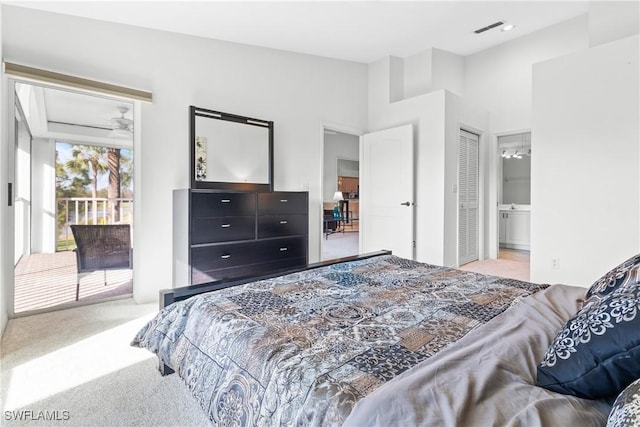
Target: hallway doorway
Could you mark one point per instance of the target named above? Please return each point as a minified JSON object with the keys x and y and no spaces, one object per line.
{"x":340,"y":195}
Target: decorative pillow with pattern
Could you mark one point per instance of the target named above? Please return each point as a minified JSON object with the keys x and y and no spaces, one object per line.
{"x":626,"y":408}
{"x":597,"y":353}
{"x":626,"y":272}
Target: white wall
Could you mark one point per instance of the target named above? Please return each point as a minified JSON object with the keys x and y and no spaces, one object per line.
{"x":426,"y":113}
{"x":298,"y":92}
{"x":303,"y":93}
{"x":417,"y":73}
{"x":448,"y":72}
{"x":499,"y":79}
{"x":612,"y":20}
{"x":338,"y":146}
{"x":586,"y":180}
{"x":425,"y":72}
{"x":437,"y":117}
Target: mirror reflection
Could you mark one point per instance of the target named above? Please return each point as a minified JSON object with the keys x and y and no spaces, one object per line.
{"x":515,"y":151}
{"x":230,"y":149}
{"x":231,"y":152}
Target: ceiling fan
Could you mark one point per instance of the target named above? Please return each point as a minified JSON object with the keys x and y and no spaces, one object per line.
{"x":121,"y":125}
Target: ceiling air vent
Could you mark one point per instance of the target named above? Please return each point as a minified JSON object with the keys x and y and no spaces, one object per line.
{"x":488,"y":27}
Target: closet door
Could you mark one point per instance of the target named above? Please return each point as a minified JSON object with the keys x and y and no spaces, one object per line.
{"x":468,"y":198}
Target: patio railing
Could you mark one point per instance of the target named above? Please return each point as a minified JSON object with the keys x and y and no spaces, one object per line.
{"x":89,"y":210}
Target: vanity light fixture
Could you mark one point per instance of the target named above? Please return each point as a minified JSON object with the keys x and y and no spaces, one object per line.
{"x":514,"y":146}
{"x":514,"y":154}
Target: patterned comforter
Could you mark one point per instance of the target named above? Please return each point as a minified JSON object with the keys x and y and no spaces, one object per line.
{"x":302,"y":349}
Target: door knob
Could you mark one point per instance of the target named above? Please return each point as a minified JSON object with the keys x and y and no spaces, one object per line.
{"x":406,"y":204}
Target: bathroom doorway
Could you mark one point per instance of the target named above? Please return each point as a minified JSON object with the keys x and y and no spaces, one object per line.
{"x":514,"y":196}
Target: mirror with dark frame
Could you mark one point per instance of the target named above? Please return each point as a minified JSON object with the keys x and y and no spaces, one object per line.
{"x":230,"y":152}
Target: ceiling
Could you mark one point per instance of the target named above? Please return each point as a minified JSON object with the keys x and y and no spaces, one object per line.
{"x":75,"y":117}
{"x":360,"y":31}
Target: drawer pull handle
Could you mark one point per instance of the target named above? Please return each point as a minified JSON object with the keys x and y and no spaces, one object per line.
{"x":283,"y":222}
{"x":283,"y":200}
{"x":226,"y":226}
{"x":225,"y":201}
{"x":225,"y":256}
{"x":284,"y":249}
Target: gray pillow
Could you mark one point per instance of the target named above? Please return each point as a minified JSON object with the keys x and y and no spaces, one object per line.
{"x":626,"y":408}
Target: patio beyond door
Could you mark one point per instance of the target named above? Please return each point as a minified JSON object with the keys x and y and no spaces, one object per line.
{"x":73,"y":165}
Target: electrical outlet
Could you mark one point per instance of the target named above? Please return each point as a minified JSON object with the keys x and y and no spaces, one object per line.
{"x":555,"y":262}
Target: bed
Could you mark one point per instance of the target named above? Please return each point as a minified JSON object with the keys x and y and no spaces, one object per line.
{"x":376,"y":340}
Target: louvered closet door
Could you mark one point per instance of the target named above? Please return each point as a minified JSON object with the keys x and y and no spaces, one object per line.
{"x":468,"y":198}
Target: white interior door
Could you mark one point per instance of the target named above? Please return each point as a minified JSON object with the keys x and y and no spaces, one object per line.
{"x":468,"y":198}
{"x":386,"y":191}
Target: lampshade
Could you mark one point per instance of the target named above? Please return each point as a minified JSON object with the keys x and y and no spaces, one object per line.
{"x":337,"y":196}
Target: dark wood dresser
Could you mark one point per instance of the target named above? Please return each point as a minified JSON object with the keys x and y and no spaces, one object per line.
{"x":221,"y":234}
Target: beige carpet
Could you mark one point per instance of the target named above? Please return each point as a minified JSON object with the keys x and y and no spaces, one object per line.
{"x":511,"y":263}
{"x":338,"y":245}
{"x":75,"y":368}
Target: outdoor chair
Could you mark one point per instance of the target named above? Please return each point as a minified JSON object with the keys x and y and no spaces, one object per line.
{"x":101,"y":247}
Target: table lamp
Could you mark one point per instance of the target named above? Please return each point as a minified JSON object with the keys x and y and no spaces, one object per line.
{"x":337,"y":197}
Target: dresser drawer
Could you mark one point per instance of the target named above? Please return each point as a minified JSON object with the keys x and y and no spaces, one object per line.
{"x":284,"y":248}
{"x":200,"y":276}
{"x":281,"y":225}
{"x":206,"y":259}
{"x":212,"y":257}
{"x":223,"y":229}
{"x":215,"y":204}
{"x":251,"y":270}
{"x":280,"y":202}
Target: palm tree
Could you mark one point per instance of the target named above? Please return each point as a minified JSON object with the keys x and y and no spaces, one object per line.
{"x":89,"y":161}
{"x":114,"y":191}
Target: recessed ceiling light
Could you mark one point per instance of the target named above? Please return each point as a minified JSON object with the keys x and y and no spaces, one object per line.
{"x":508,"y":27}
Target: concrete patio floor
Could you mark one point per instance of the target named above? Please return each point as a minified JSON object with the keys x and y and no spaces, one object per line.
{"x":47,"y":280}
